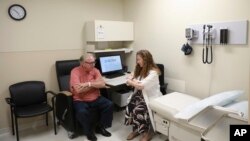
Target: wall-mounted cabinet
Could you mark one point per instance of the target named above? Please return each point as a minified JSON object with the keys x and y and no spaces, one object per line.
{"x":99,"y":30}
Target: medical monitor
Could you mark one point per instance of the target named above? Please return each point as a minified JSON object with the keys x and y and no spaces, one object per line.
{"x":110,"y":64}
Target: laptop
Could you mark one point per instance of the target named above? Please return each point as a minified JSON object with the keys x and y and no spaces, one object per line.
{"x":111,"y":66}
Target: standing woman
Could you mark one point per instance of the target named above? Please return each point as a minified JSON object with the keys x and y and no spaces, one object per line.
{"x":145,"y":81}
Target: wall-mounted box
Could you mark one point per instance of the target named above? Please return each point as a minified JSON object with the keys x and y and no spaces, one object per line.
{"x":99,"y":30}
{"x":237,"y":32}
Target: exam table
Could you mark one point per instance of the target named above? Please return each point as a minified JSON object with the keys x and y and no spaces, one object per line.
{"x":183,"y":117}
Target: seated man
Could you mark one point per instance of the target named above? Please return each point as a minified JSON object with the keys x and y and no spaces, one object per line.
{"x":85,"y":81}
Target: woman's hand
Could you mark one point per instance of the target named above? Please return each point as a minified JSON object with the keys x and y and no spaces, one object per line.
{"x":135,"y":83}
{"x":130,"y":77}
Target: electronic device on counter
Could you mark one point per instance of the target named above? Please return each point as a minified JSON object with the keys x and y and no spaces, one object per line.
{"x":111,"y":66}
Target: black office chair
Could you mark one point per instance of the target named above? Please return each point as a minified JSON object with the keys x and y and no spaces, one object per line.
{"x":64,"y":100}
{"x":29,"y":99}
{"x":163,"y":85}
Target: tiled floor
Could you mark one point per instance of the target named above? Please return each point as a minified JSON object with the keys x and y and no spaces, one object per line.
{"x":119,"y":133}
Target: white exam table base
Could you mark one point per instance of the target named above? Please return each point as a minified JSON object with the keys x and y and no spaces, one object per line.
{"x":177,"y":131}
{"x":180,"y":132}
{"x":167,"y":106}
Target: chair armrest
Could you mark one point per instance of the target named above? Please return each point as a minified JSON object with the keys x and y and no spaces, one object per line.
{"x":67,"y":93}
{"x":9,"y":101}
{"x":62,"y":99}
{"x":60,"y":94}
{"x":51,"y":92}
{"x":52,"y":98}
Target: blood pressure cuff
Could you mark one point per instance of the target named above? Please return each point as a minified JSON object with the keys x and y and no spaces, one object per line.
{"x":187,"y":49}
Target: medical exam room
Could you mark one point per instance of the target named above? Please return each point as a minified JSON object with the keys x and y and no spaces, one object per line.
{"x":117,"y":70}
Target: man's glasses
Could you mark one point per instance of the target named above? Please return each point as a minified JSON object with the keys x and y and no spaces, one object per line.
{"x":90,"y":63}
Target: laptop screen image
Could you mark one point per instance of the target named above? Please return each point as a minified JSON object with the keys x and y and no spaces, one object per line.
{"x":110,"y":64}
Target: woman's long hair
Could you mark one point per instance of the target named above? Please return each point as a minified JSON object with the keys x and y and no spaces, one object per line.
{"x":148,"y":64}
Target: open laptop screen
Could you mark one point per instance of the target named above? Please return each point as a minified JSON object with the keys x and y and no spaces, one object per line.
{"x":110,"y":64}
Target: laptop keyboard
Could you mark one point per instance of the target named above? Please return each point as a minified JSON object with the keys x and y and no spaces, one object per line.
{"x":114,"y":75}
{"x":116,"y":81}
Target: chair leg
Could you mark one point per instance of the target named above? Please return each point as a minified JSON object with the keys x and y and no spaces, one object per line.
{"x":12,"y":122}
{"x":47,"y":119}
{"x":54,"y":120}
{"x":17,"y":134}
{"x":54,"y":116}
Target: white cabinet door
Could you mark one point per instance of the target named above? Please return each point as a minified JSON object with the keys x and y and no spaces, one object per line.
{"x":109,"y":31}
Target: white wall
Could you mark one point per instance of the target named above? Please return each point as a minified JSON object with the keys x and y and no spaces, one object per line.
{"x":52,"y":30}
{"x":160,"y":27}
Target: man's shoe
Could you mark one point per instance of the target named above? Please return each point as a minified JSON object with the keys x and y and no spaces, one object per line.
{"x":103,"y":131}
{"x":92,"y":137}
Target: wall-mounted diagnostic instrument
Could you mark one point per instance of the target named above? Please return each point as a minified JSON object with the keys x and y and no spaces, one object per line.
{"x":222,"y":33}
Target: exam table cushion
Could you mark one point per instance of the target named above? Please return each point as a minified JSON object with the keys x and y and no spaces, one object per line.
{"x":170,"y":104}
{"x":220,"y":99}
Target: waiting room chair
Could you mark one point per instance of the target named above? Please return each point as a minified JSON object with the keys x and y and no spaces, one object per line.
{"x":163,"y":85}
{"x":64,"y":100}
{"x":29,"y":99}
